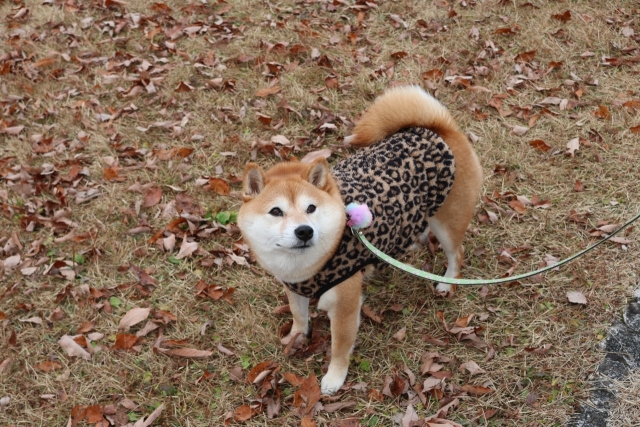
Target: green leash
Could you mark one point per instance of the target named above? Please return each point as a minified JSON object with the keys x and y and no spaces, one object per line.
{"x":454,"y":281}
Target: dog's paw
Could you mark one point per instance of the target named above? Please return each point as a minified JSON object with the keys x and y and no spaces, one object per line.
{"x":332,"y":381}
{"x":445,"y":290}
{"x":299,"y":336}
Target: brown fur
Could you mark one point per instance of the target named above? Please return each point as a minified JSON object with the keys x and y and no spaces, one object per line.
{"x":398,"y":108}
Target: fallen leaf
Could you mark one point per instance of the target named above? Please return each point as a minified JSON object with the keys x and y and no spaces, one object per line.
{"x":476,"y":390}
{"x":186,"y":248}
{"x":36,"y":320}
{"x":257,"y":370}
{"x":262,"y":93}
{"x":409,"y":417}
{"x":133,"y":317}
{"x":602,"y":112}
{"x":563,"y":17}
{"x":539,"y":350}
{"x":243,"y":413}
{"x":219,"y":186}
{"x":472,"y":367}
{"x":190,"y":353}
{"x":540,"y":145}
{"x":125,"y":341}
{"x":519,"y":130}
{"x":308,"y":394}
{"x":293,"y":379}
{"x":280,"y":139}
{"x":48,"y":366}
{"x":399,"y":336}
{"x":635,"y":129}
{"x":621,"y":240}
{"x":333,"y":407}
{"x":73,"y":348}
{"x":307,"y":422}
{"x":573,"y":146}
{"x":152,"y":196}
{"x":576,"y":297}
{"x":371,"y":314}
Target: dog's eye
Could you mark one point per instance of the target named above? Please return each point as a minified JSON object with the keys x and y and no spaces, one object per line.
{"x":311,"y":209}
{"x":275,"y":212}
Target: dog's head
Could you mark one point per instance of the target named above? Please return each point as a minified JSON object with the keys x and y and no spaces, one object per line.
{"x":292,"y":217}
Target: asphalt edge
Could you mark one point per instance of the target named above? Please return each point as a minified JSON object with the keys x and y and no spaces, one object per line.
{"x":622,"y":354}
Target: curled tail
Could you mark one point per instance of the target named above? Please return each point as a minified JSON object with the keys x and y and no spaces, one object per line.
{"x":398,"y":108}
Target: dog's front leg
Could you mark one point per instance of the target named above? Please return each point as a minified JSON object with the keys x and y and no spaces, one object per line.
{"x":342,"y":304}
{"x":299,"y":306}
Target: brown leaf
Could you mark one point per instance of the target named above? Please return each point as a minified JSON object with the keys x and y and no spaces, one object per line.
{"x":635,"y":129}
{"x":517,"y":206}
{"x":293,"y":379}
{"x":602,"y":112}
{"x":371,"y":314}
{"x":578,"y":187}
{"x":308,"y":394}
{"x":133,"y":317}
{"x":540,"y":145}
{"x":111,"y":174}
{"x":573,"y":146}
{"x":93,"y":414}
{"x":243,"y":413}
{"x":186,"y":248}
{"x":532,"y":400}
{"x":259,"y":369}
{"x":333,"y":407}
{"x":219,"y":186}
{"x":472,"y":367}
{"x":189,"y":353}
{"x":525,"y":56}
{"x":73,"y":348}
{"x":399,"y":336}
{"x":264,"y":92}
{"x":85,"y":327}
{"x":48,"y":366}
{"x":476,"y":390}
{"x":433,"y":75}
{"x":184,"y":87}
{"x":519,"y":130}
{"x":539,"y":350}
{"x":435,"y":341}
{"x":152,"y":196}
{"x":4,"y":365}
{"x":44,"y":62}
{"x":576,"y":297}
{"x":399,"y":385}
{"x":307,"y":422}
{"x":125,"y":341}
{"x":563,"y":17}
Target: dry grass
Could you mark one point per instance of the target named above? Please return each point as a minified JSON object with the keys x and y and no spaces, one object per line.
{"x":626,"y":409}
{"x":518,"y":317}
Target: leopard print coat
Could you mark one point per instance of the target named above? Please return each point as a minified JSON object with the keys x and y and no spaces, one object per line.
{"x":403,"y":179}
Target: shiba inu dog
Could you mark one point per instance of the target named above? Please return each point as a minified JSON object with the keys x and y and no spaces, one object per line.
{"x":416,"y":172}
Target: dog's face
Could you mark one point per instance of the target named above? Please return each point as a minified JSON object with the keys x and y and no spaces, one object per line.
{"x":292,"y":217}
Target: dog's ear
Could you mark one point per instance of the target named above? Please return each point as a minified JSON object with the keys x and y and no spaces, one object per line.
{"x":318,"y":173}
{"x":252,"y":181}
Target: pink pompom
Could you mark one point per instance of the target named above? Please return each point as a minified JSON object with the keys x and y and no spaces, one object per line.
{"x":359,"y":215}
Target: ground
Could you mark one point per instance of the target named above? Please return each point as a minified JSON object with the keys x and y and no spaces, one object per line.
{"x":126,"y":288}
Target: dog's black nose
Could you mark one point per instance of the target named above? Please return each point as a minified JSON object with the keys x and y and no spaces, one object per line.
{"x":304,"y":233}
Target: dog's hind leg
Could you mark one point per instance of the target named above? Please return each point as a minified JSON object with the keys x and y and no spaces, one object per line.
{"x":450,"y":236}
{"x":342,"y":304}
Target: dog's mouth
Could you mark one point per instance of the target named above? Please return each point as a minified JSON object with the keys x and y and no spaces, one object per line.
{"x":298,"y":247}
